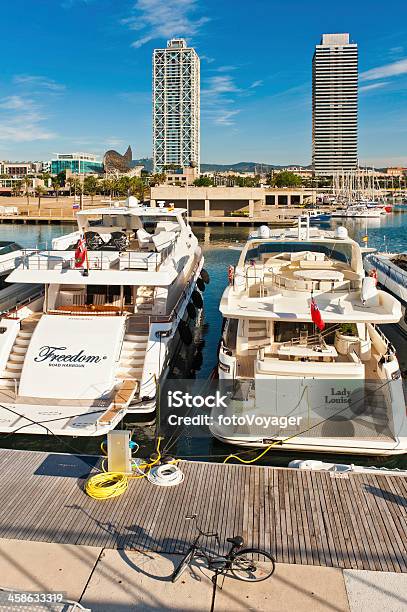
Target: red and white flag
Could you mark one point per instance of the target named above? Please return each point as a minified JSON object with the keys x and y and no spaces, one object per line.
{"x":80,"y":253}
{"x":316,"y":315}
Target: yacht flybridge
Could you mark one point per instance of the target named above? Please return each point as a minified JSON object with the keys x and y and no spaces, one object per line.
{"x":301,"y":339}
{"x":96,"y":343}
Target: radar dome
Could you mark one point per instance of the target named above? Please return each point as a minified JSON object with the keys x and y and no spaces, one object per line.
{"x":264,"y":231}
{"x":132,"y":202}
{"x":341,"y":232}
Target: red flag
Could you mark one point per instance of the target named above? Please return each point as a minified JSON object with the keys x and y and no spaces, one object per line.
{"x":316,"y":315}
{"x":80,"y":253}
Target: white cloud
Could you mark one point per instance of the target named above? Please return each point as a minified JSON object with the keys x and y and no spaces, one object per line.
{"x":226,"y":117}
{"x":13,"y":103}
{"x":396,"y":51}
{"x":388,"y":70}
{"x":21,"y":120}
{"x":67,"y":4}
{"x":114,"y":141}
{"x":164,"y":19}
{"x":373,"y":86}
{"x":218,"y":99}
{"x":206,"y":58}
{"x":220,"y":95}
{"x":220,"y":84}
{"x":39,"y":82}
{"x":226,"y":68}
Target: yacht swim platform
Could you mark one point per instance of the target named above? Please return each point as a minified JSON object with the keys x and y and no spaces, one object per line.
{"x":355,"y":520}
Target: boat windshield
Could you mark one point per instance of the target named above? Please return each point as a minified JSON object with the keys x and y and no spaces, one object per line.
{"x":339,"y":251}
{"x":9,"y":247}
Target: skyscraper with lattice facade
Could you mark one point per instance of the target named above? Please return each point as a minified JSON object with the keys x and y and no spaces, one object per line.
{"x":176,"y":112}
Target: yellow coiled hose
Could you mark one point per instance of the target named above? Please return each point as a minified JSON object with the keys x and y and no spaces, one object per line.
{"x":107,"y":485}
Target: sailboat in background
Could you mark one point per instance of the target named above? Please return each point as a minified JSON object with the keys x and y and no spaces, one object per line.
{"x":360,"y":194}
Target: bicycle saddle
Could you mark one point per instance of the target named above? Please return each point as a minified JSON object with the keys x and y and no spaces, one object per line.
{"x":236,"y":540}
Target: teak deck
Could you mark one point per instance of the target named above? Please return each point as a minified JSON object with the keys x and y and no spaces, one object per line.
{"x":300,"y":516}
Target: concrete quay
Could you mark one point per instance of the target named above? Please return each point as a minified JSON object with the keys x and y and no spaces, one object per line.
{"x":223,"y":201}
{"x":105,"y":580}
{"x":237,"y":213}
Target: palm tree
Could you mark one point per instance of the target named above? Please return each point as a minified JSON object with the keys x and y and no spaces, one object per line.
{"x":123,"y":185}
{"x":137,"y":187}
{"x":80,"y":190}
{"x":90,"y":185}
{"x":56,"y":185}
{"x":27,"y":188}
{"x":39,"y":191}
{"x":157,"y":179}
{"x":16,"y":188}
{"x":74,"y":184}
{"x":107,"y":186}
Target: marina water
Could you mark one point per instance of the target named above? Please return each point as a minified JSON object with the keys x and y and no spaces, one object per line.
{"x":221,"y":249}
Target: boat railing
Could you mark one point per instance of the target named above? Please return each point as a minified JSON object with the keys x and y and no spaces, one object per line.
{"x":313,"y":339}
{"x":36,"y":259}
{"x":29,"y":296}
{"x":391,"y":350}
{"x":263,"y":278}
{"x":397,"y":274}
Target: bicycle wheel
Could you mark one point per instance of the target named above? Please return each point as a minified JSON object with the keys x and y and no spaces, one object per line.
{"x":252,"y":565}
{"x":182,"y":566}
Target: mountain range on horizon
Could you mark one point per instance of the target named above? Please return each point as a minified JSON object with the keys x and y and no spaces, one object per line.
{"x":244,"y":166}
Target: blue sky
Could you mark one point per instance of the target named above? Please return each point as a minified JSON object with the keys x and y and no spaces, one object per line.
{"x":76,"y":75}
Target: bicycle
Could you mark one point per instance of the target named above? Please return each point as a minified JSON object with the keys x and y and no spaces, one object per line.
{"x":247,"y":564}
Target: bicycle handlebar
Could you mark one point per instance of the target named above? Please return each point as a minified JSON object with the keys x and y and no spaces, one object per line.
{"x":201,"y":533}
{"x":208,"y":535}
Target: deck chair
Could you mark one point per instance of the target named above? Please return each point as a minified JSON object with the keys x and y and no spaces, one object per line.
{"x":99,"y":299}
{"x":78,"y":299}
{"x":144,"y":239}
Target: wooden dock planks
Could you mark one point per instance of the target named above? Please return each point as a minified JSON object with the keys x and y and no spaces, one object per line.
{"x":359,"y":521}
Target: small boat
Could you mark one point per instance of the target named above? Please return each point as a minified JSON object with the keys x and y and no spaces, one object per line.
{"x":317,"y":216}
{"x":357,"y":211}
{"x":382,"y":206}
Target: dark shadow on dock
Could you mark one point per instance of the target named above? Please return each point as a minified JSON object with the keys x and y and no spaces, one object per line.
{"x":67,"y":466}
{"x":387,"y":495}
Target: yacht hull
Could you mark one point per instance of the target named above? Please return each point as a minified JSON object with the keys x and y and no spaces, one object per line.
{"x":329,"y":446}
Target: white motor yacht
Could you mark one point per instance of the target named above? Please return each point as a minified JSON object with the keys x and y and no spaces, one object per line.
{"x":390,"y":270}
{"x":96,"y":344}
{"x":358,"y":211}
{"x":301,"y":339}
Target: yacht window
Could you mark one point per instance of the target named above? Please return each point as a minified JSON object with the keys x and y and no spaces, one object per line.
{"x":230,"y":333}
{"x":287,"y":331}
{"x":128,"y":295}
